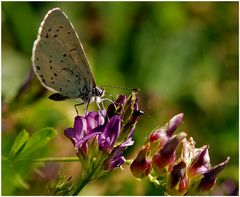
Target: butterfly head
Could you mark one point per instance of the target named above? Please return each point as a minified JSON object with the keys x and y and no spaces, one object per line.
{"x":98,"y":92}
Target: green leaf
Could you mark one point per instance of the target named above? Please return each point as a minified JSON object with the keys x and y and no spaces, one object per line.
{"x":19,"y":142}
{"x":18,"y":166}
{"x":20,"y":182}
{"x":38,"y":140}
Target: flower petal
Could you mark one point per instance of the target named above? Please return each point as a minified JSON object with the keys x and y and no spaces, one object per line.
{"x":174,"y":123}
{"x":209,"y":178}
{"x":141,"y":165}
{"x":71,"y":134}
{"x":116,"y":158}
{"x":80,"y":127}
{"x":110,"y":134}
{"x":86,"y":138}
{"x":92,"y":121}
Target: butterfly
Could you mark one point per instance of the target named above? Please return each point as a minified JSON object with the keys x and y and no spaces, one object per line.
{"x":60,"y":62}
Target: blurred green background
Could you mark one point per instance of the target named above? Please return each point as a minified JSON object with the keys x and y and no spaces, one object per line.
{"x":182,"y":55}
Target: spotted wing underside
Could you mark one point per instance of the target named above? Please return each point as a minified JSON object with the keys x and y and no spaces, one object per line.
{"x":59,"y":59}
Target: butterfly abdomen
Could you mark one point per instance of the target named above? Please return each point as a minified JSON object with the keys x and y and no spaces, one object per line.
{"x":58,"y":97}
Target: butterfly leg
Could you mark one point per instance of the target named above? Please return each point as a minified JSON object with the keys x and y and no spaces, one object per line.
{"x":110,"y":100}
{"x":107,"y":99}
{"x":77,"y":105}
{"x":99,"y":107}
{"x":102,"y":104}
{"x":86,"y":108}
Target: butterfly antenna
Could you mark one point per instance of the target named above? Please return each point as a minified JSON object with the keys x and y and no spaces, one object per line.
{"x":120,"y":87}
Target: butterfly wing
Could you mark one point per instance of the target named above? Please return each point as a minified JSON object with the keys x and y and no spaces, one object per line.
{"x":59,"y":59}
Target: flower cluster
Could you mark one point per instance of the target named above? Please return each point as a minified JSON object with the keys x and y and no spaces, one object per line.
{"x":100,"y":138}
{"x":189,"y":172}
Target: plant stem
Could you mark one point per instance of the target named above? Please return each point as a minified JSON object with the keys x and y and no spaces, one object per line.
{"x":56,"y":159}
{"x":89,"y":177}
{"x":83,"y":184}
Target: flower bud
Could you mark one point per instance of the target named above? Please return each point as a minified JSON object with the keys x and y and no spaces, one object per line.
{"x":129,"y":114}
{"x":201,"y":164}
{"x":129,"y":127}
{"x":177,"y":181}
{"x":167,"y":155}
{"x":154,"y":136}
{"x":141,"y":166}
{"x":160,"y":136}
{"x":116,"y":159}
{"x":116,"y":107}
{"x":157,"y":140}
{"x":173,"y":124}
{"x":130,"y":106}
{"x":209,"y":178}
{"x":187,"y":150}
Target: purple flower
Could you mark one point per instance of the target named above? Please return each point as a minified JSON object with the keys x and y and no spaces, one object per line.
{"x":127,"y":109}
{"x":201,"y":162}
{"x":173,"y":124}
{"x":85,"y":129}
{"x":177,"y":180}
{"x":209,"y":177}
{"x":116,"y":107}
{"x":116,"y":158}
{"x":94,"y":125}
{"x":98,"y":138}
{"x":141,"y":166}
{"x":161,"y":136}
{"x":109,"y":133}
{"x":179,"y":174}
{"x":167,"y":155}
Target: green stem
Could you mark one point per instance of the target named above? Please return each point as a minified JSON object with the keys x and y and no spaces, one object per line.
{"x":83,"y":183}
{"x":56,"y":159}
{"x":89,"y":177}
{"x":128,"y":161}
